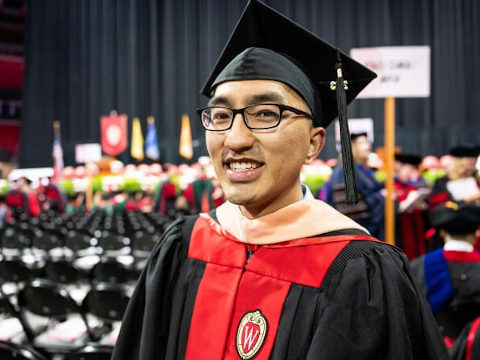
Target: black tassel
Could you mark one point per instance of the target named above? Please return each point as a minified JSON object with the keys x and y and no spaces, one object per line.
{"x":347,"y":157}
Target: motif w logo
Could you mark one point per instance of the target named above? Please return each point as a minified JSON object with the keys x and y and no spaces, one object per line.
{"x":250,"y":335}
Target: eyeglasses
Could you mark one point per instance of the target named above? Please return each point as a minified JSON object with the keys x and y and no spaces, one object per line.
{"x":255,"y":117}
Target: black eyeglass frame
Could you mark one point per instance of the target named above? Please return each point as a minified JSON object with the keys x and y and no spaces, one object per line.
{"x":242,"y":112}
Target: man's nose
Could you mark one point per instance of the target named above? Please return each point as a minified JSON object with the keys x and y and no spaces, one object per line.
{"x":239,"y":137}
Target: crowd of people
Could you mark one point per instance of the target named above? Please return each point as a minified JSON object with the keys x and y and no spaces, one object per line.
{"x":421,"y":184}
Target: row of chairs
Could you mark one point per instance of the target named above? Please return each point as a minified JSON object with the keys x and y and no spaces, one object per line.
{"x":51,"y":321}
{"x":13,"y":351}
{"x":76,"y":241}
{"x":96,"y":219}
{"x":70,"y":271}
{"x":61,"y":287}
{"x":66,"y":281}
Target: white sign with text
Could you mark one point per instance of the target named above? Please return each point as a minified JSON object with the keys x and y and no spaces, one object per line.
{"x":85,"y":153}
{"x":355,"y":126}
{"x":402,"y":71}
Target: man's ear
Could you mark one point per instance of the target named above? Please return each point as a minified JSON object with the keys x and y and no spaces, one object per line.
{"x":317,"y":142}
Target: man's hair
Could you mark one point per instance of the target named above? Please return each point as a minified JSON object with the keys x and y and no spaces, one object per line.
{"x":462,"y":236}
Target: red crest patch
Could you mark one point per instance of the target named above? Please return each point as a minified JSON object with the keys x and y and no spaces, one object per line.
{"x":251,"y":333}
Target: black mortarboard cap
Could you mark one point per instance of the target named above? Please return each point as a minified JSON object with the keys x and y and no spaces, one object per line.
{"x":457,"y":218}
{"x":263,"y":27}
{"x":411,"y":159}
{"x":354,"y":135}
{"x":465,"y":151}
{"x":267,"y":45}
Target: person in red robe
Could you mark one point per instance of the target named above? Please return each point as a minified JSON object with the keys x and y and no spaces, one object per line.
{"x":410,"y":194}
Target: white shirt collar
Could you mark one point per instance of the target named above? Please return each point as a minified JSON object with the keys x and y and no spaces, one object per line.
{"x":307,"y":194}
{"x":458,"y":245}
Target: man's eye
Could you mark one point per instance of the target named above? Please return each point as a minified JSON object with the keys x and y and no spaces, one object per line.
{"x":266,"y":113}
{"x":220,"y":116}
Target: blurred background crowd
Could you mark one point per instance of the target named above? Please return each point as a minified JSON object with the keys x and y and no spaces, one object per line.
{"x":171,"y":190}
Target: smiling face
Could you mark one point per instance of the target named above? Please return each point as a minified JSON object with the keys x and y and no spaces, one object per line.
{"x":259,"y":169}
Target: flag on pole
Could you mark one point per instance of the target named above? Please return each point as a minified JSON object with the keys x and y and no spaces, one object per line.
{"x":57,"y":151}
{"x":151,"y":141}
{"x":114,"y":133}
{"x":186,"y":147}
{"x":136,"y":148}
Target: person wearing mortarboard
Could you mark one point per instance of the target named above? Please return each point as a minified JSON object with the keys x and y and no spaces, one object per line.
{"x":407,"y":178}
{"x":450,"y":276}
{"x":370,"y":208}
{"x":273,"y":273}
{"x":461,"y":183}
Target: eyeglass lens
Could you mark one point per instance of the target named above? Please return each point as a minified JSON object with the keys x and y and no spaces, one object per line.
{"x":260,"y":116}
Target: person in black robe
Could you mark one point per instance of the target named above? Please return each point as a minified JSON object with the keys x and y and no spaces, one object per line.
{"x":462,"y":168}
{"x":273,"y":273}
{"x":467,"y":345}
{"x":450,"y":276}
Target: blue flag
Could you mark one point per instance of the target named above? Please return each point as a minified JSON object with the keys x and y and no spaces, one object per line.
{"x":151,"y":142}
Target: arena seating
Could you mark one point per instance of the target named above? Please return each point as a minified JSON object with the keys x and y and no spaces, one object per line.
{"x":66,"y":280}
{"x":12,"y":351}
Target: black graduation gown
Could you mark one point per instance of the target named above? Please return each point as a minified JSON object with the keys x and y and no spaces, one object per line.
{"x":453,"y":289}
{"x":467,"y":345}
{"x":340,"y":299}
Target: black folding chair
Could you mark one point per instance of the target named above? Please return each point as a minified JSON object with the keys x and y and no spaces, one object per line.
{"x":77,"y":241}
{"x":14,"y":241}
{"x":109,"y":270}
{"x":143,"y":242}
{"x":16,"y":271}
{"x":63,"y":272}
{"x":48,"y":299}
{"x":108,"y":303}
{"x":12,"y":351}
{"x":45,"y":241}
{"x":91,"y":352}
{"x":9,"y":311}
{"x":112,"y":243}
{"x":76,"y":280}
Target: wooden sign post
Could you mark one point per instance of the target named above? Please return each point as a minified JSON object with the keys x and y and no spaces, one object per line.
{"x":389,"y":159}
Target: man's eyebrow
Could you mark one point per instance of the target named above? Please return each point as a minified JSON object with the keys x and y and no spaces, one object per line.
{"x":265,"y":97}
{"x":219,"y":100}
{"x":253,"y":99}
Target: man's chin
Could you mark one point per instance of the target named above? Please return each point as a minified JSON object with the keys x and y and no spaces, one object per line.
{"x":237,"y":200}
{"x":240,"y":198}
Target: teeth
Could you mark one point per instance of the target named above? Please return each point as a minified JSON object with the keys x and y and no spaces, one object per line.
{"x":243,"y":165}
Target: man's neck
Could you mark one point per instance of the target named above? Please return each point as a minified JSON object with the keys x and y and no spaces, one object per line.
{"x":256,"y":211}
{"x":464,"y":243}
{"x":361,"y":162}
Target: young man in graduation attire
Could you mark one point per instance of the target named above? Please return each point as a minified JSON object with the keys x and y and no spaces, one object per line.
{"x":273,"y":274}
